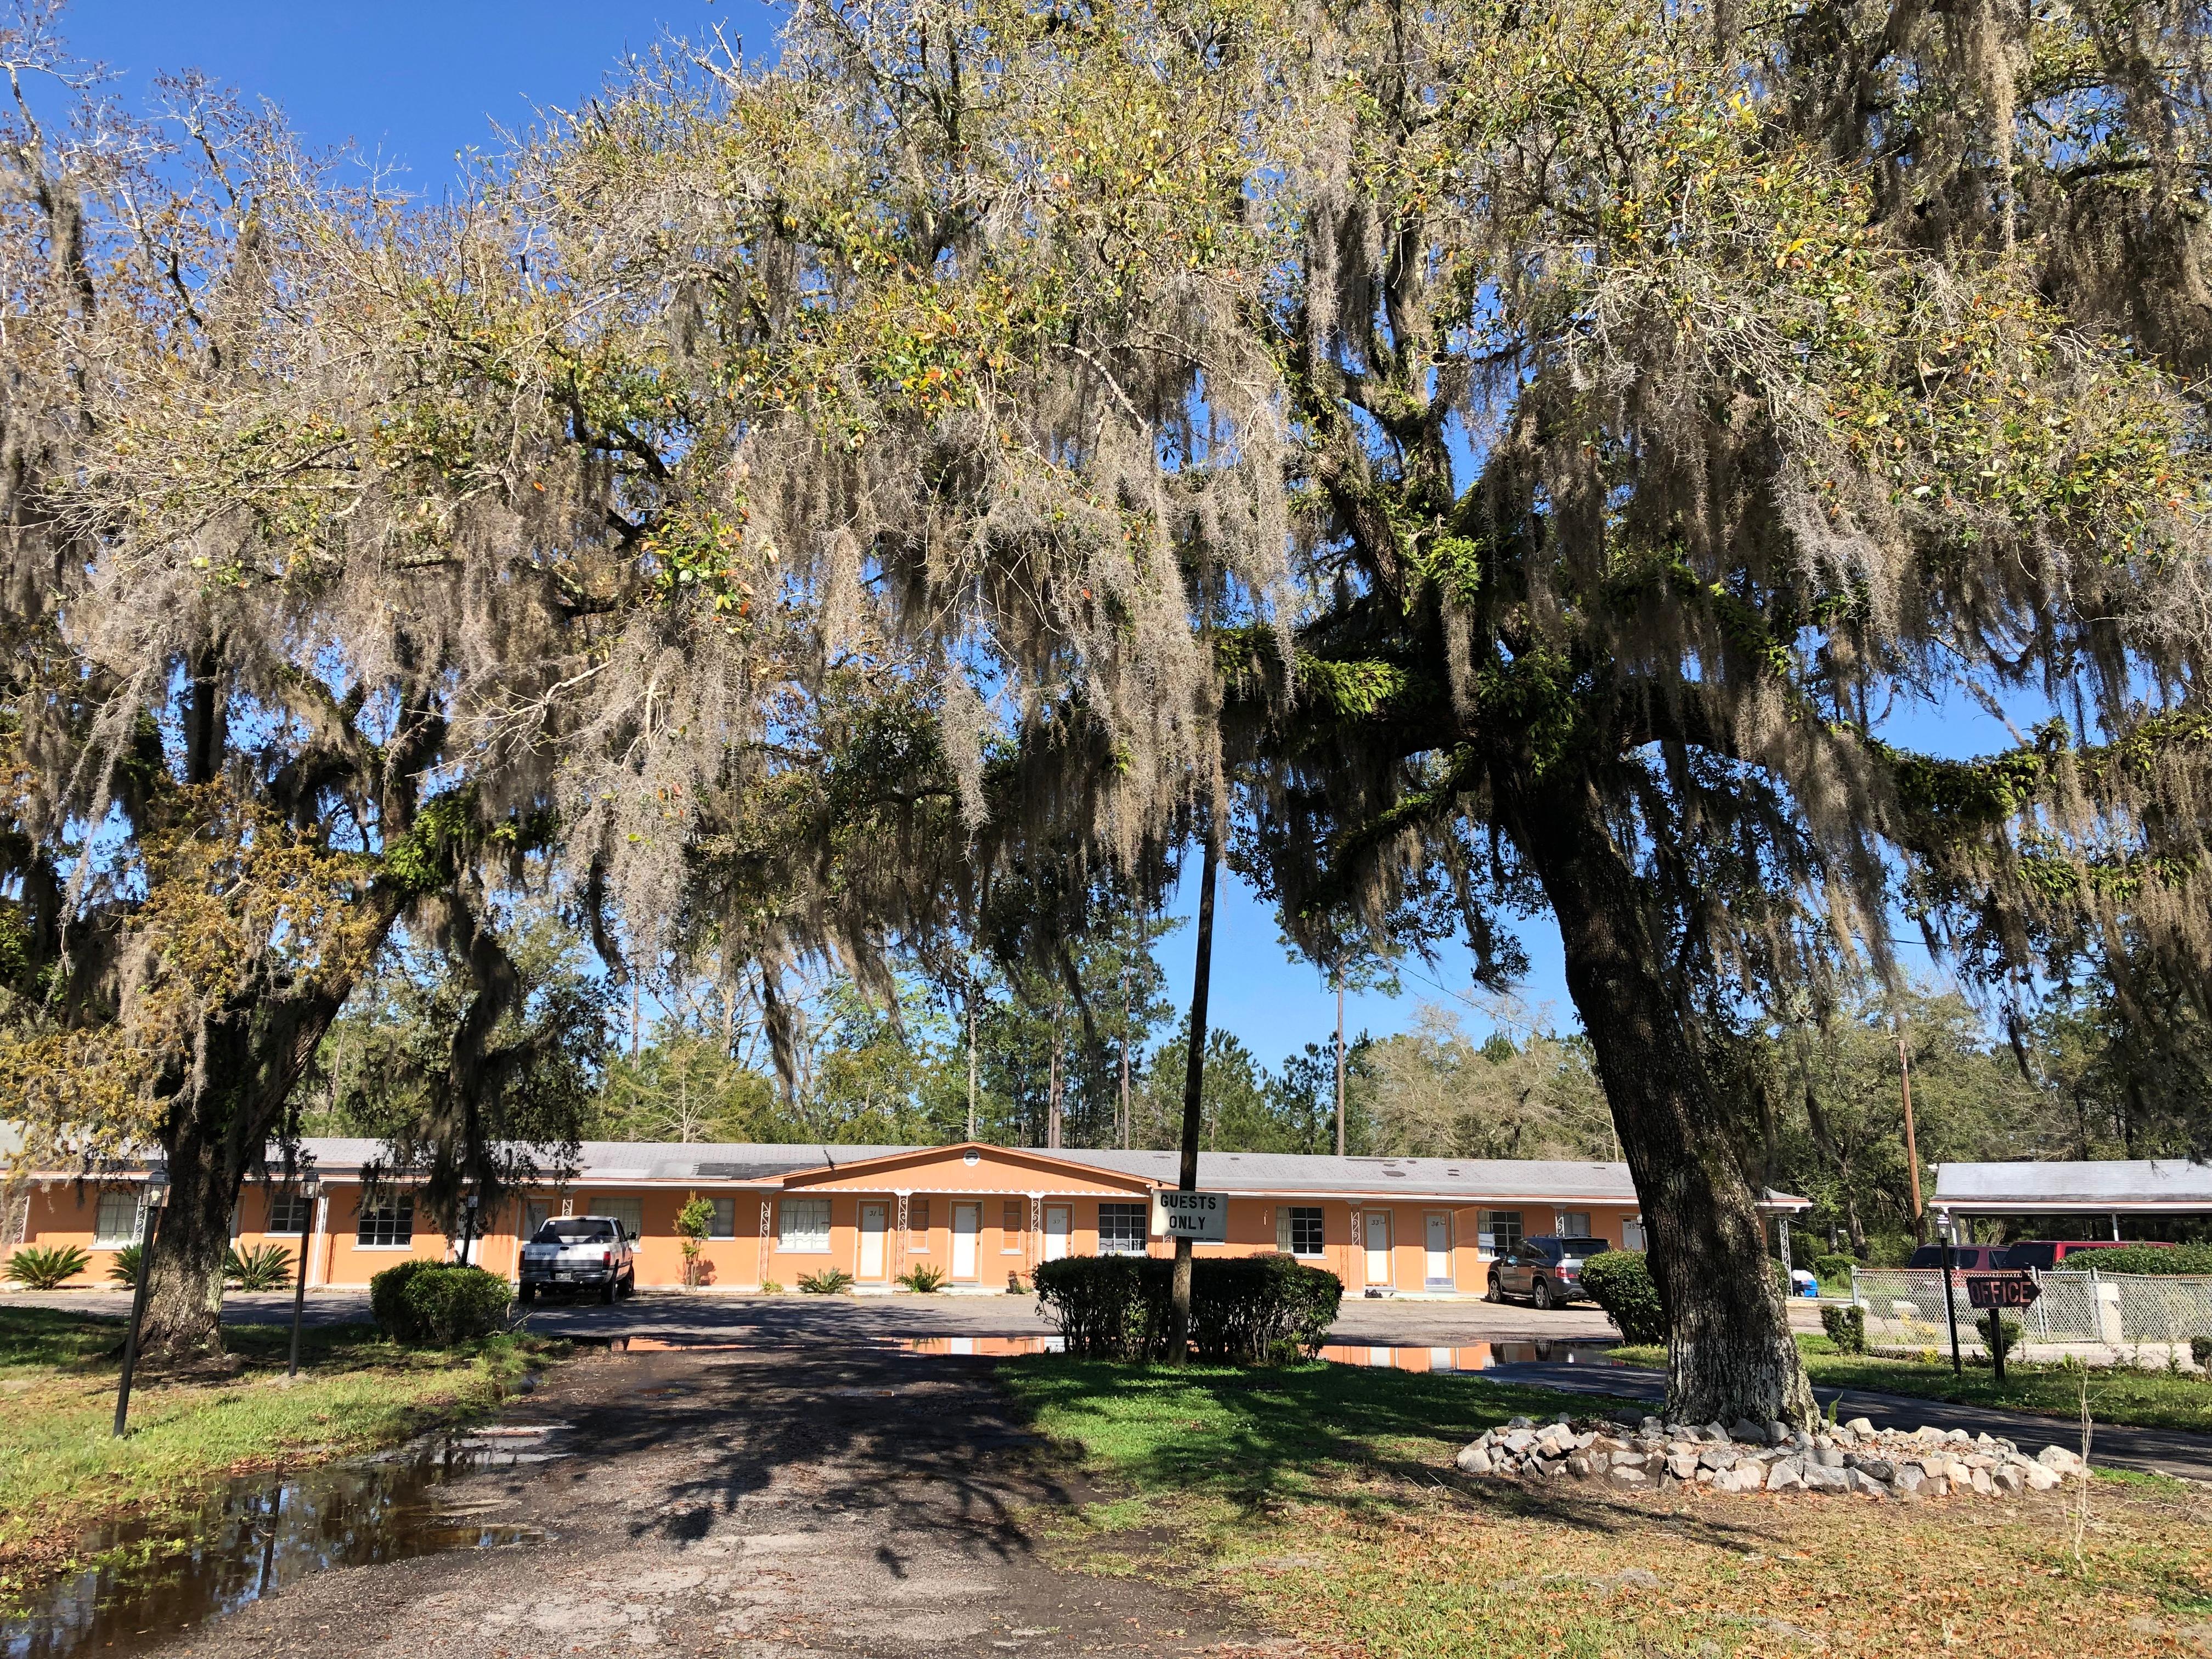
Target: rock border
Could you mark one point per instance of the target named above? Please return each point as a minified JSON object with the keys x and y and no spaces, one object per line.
{"x":1648,"y":1452}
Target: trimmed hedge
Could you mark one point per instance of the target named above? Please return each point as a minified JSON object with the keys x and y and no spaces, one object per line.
{"x":437,"y":1304}
{"x":1834,"y":1269}
{"x":2143,"y":1259}
{"x":1619,"y":1281}
{"x":1243,"y":1311}
{"x":1847,"y":1327}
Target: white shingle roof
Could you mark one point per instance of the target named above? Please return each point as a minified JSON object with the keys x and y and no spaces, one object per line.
{"x":2159,"y":1185}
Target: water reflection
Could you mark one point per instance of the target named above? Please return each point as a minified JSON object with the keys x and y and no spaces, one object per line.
{"x":1472,"y":1355}
{"x":256,"y":1533}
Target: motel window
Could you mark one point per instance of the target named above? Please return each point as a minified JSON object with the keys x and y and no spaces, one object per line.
{"x":1010,"y":1228}
{"x":388,"y":1224}
{"x":1499,"y":1231}
{"x":1298,"y":1228}
{"x":629,"y":1211}
{"x":804,"y":1225}
{"x":287,"y":1213}
{"x":1571,"y":1224}
{"x":1120,"y":1230}
{"x":725,"y":1222}
{"x":917,"y":1220}
{"x":117,"y":1222}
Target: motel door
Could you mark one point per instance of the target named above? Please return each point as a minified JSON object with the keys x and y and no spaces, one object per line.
{"x":1439,"y":1272}
{"x":1378,"y":1247}
{"x":1057,"y":1219}
{"x":967,"y":1223}
{"x":873,"y":1218}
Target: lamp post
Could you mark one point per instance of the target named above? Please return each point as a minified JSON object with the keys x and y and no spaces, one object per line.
{"x":157,"y":1197}
{"x":311,"y":1190}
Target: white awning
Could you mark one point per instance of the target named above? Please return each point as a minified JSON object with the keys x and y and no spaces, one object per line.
{"x":2148,"y":1186}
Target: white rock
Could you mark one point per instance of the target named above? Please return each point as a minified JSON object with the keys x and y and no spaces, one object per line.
{"x":1474,"y":1459}
{"x":2058,"y":1458}
{"x":1682,"y":1465}
{"x":1860,"y":1426}
{"x":1629,"y":1476}
{"x":1782,"y":1476}
{"x":2008,"y":1479}
{"x":1982,"y":1483}
{"x":2041,"y":1478}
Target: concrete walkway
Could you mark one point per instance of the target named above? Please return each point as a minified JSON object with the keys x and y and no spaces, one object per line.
{"x":2176,"y":1452}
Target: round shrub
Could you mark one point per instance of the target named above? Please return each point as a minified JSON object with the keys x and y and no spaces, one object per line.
{"x":1834,"y":1269}
{"x":424,"y":1302}
{"x":1619,"y":1281}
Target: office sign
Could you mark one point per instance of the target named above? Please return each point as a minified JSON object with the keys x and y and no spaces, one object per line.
{"x":1202,"y":1217}
{"x":2001,"y":1290}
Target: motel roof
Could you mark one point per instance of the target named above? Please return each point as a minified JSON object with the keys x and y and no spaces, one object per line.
{"x":2146,"y":1186}
{"x":647,"y":1163}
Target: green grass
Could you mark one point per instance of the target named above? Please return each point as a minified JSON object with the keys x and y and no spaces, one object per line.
{"x":1326,"y":1499}
{"x":2123,"y":1398}
{"x":62,"y":1472}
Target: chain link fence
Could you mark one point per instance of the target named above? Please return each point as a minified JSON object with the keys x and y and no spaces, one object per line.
{"x":1904,"y":1308}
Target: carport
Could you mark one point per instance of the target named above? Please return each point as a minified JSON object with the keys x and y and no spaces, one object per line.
{"x":2103,"y":1191}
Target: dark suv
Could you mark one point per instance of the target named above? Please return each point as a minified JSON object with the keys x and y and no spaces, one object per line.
{"x":1547,"y":1271}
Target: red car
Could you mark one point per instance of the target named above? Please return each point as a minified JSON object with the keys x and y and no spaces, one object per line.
{"x":2045,"y":1253}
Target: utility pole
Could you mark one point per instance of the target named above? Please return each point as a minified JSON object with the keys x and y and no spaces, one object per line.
{"x":971,"y":1048}
{"x":1911,"y":1146}
{"x":1193,"y":1083}
{"x":1339,"y":977}
{"x":1125,"y":1054}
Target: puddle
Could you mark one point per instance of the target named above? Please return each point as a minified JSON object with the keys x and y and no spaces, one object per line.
{"x":995,"y":1348}
{"x":1473,"y":1355}
{"x":259,"y":1531}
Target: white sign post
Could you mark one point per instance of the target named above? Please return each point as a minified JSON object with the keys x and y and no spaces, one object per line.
{"x":1201,"y":1218}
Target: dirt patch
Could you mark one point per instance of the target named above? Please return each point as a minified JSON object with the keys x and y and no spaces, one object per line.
{"x":788,"y":1502}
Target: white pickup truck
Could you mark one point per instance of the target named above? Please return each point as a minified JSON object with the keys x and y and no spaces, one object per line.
{"x":580,"y":1252}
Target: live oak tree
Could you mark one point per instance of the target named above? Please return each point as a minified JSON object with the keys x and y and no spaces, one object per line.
{"x":325,"y":518}
{"x":1524,"y":454}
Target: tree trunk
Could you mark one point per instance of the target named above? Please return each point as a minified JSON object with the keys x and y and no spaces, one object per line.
{"x":1730,"y":1354}
{"x":1193,"y":1085}
{"x":247,"y":1057}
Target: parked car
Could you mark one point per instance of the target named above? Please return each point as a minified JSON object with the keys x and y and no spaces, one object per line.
{"x":1964,"y":1258}
{"x":2045,"y":1253}
{"x":580,"y":1252}
{"x":1548,"y":1271}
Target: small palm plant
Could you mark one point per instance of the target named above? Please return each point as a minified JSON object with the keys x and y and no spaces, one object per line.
{"x":831,"y":1281}
{"x":693,"y":1223}
{"x":263,"y":1267}
{"x":922,"y":1279}
{"x":123,"y":1269}
{"x":47,"y":1268}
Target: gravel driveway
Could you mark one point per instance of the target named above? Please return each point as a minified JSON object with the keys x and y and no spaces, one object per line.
{"x":784,"y":1501}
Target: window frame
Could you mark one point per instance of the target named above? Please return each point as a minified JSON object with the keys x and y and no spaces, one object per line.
{"x":1310,"y":1220}
{"x":1013,"y":1227}
{"x":1123,"y":1215}
{"x":1486,"y":1232}
{"x":917,"y":1224}
{"x":725,"y":1206}
{"x":291,"y":1198}
{"x":370,"y":1220}
{"x":789,"y":1239}
{"x":102,"y":1239}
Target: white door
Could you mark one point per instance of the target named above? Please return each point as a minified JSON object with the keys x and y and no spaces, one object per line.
{"x":872,"y":1224}
{"x":1059,"y":1220}
{"x":1378,"y":1247}
{"x":1440,"y":1263}
{"x":967,"y":1222}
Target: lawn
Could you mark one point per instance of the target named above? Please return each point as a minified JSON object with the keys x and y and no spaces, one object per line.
{"x":1326,"y":1499}
{"x":2136,"y":1399}
{"x":61,"y":1471}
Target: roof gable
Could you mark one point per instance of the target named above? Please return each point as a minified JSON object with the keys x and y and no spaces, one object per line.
{"x":972,"y":1166}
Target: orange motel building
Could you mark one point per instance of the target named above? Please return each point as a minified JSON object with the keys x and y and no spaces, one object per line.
{"x":984,"y":1216}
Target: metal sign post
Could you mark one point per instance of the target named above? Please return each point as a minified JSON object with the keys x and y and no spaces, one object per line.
{"x":310,"y":1190}
{"x":1995,"y":1292}
{"x":1950,"y":1295}
{"x":157,"y":1197}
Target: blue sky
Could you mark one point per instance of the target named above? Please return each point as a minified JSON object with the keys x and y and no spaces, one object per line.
{"x":412,"y":82}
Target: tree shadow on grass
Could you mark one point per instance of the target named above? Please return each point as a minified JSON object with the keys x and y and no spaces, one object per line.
{"x":1362,"y":1440}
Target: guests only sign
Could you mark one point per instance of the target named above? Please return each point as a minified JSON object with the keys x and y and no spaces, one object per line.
{"x":1201,"y":1218}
